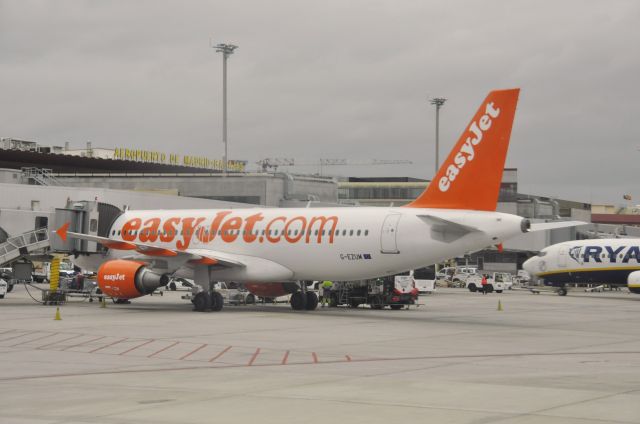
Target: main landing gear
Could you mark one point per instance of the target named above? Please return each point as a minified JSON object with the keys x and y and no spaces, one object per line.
{"x":205,"y":301}
{"x":304,"y":300}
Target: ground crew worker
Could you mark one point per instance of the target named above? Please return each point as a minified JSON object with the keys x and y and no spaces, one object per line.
{"x":484,"y":284}
{"x":326,"y":292}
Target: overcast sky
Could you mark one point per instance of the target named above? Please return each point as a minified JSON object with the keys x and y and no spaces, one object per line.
{"x":334,"y":79}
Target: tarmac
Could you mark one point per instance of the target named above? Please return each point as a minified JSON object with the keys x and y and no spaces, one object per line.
{"x":457,"y":359}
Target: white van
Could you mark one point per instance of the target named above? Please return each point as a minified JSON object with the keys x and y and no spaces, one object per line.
{"x":456,"y":274}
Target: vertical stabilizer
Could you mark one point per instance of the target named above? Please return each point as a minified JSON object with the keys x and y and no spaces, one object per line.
{"x":470,"y":176}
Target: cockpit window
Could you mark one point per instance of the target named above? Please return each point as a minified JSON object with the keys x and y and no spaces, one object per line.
{"x":541,"y":254}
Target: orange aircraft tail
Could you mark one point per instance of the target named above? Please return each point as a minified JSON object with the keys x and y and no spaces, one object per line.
{"x":470,"y":177}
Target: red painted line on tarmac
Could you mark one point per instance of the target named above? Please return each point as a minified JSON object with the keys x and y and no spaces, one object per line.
{"x":135,"y":347}
{"x":20,"y":335}
{"x":253,"y":358}
{"x":348,"y":358}
{"x":34,"y":340}
{"x":284,"y":359}
{"x":60,"y":341}
{"x":163,"y":349}
{"x":192,"y":352}
{"x":108,"y":345}
{"x":85,"y":342}
{"x":220,"y":354}
{"x":315,"y":357}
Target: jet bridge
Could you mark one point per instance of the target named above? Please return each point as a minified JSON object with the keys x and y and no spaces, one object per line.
{"x":87,"y":217}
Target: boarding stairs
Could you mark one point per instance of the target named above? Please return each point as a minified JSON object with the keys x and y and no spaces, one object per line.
{"x":23,"y":244}
{"x":344,"y":295}
{"x":40,"y":176}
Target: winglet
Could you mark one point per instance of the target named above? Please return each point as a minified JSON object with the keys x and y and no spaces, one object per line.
{"x":470,"y":177}
{"x":62,"y":231}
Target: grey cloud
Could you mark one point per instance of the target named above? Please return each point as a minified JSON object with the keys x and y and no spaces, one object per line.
{"x":333,"y":79}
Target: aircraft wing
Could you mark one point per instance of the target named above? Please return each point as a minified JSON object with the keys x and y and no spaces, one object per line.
{"x":542,"y":226}
{"x":192,"y":256}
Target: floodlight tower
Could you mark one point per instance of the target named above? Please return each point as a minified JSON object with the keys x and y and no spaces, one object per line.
{"x":438,"y":102}
{"x":226,"y":50}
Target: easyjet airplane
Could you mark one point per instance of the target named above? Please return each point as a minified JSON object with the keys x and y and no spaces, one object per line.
{"x":271,"y":249}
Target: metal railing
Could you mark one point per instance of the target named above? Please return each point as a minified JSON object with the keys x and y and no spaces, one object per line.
{"x":40,"y":176}
{"x":30,"y":241}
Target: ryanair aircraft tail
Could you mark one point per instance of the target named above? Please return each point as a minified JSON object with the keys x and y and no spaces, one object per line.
{"x":470,"y":176}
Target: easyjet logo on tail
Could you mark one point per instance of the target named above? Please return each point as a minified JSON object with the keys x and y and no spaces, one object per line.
{"x":470,"y":176}
{"x":229,"y":228}
{"x":467,"y":150}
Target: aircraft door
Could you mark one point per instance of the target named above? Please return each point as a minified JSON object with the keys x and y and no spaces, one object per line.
{"x":562,"y":256}
{"x":388,"y":243}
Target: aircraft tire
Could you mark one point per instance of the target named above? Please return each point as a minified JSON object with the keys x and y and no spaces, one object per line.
{"x":298,"y":301}
{"x":201,"y":302}
{"x":312,"y":301}
{"x":172,"y":287}
{"x":250,"y":299}
{"x":562,"y":291}
{"x":217,"y":301}
{"x":472,"y":288}
{"x":498,"y":291}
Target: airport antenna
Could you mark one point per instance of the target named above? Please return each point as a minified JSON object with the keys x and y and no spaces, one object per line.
{"x":438,"y":102}
{"x":226,"y":50}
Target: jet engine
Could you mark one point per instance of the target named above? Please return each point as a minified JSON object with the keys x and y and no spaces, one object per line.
{"x":271,"y":290}
{"x":633,"y":282}
{"x":123,"y":279}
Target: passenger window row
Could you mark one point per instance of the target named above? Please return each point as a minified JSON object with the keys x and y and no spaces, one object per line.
{"x":345,"y":233}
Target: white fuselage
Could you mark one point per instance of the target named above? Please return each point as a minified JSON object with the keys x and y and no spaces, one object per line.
{"x":315,"y":244}
{"x":592,"y":261}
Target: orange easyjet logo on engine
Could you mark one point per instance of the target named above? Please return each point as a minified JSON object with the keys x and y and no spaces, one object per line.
{"x":229,"y":228}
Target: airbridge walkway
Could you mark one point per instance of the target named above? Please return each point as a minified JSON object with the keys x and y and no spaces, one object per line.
{"x":24,"y":244}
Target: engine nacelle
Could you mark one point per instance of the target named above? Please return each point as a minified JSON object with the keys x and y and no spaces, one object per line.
{"x":124,"y":279}
{"x":633,"y":282}
{"x":271,"y":290}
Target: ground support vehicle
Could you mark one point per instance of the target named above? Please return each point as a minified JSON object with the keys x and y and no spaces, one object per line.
{"x":457,"y":275}
{"x":497,"y":281}
{"x":179,"y":283}
{"x":3,"y":288}
{"x":6,"y":274}
{"x":234,"y":294}
{"x":423,"y":279}
{"x":222,"y":293}
{"x":376,"y":293}
{"x":43,"y":275}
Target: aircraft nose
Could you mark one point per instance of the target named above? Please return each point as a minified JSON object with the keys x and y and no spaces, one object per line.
{"x":530,"y":266}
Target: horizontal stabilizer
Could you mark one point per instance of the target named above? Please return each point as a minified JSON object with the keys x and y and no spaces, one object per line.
{"x":445,"y":230}
{"x":542,"y":226}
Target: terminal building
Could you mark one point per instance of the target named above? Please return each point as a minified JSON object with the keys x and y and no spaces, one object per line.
{"x":35,"y":180}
